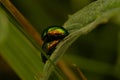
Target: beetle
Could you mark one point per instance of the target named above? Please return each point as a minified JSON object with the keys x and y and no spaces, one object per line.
{"x":54,"y":33}
{"x":51,"y":37}
{"x":49,"y":47}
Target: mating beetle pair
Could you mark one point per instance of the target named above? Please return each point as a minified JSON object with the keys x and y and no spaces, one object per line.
{"x":51,"y":37}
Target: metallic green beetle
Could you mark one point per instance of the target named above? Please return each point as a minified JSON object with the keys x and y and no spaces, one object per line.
{"x":54,"y":33}
{"x":51,"y":37}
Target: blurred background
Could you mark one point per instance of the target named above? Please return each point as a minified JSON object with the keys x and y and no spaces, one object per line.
{"x":96,"y":54}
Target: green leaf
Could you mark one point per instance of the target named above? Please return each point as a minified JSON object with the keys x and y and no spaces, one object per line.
{"x":83,"y":22}
{"x":17,"y":49}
